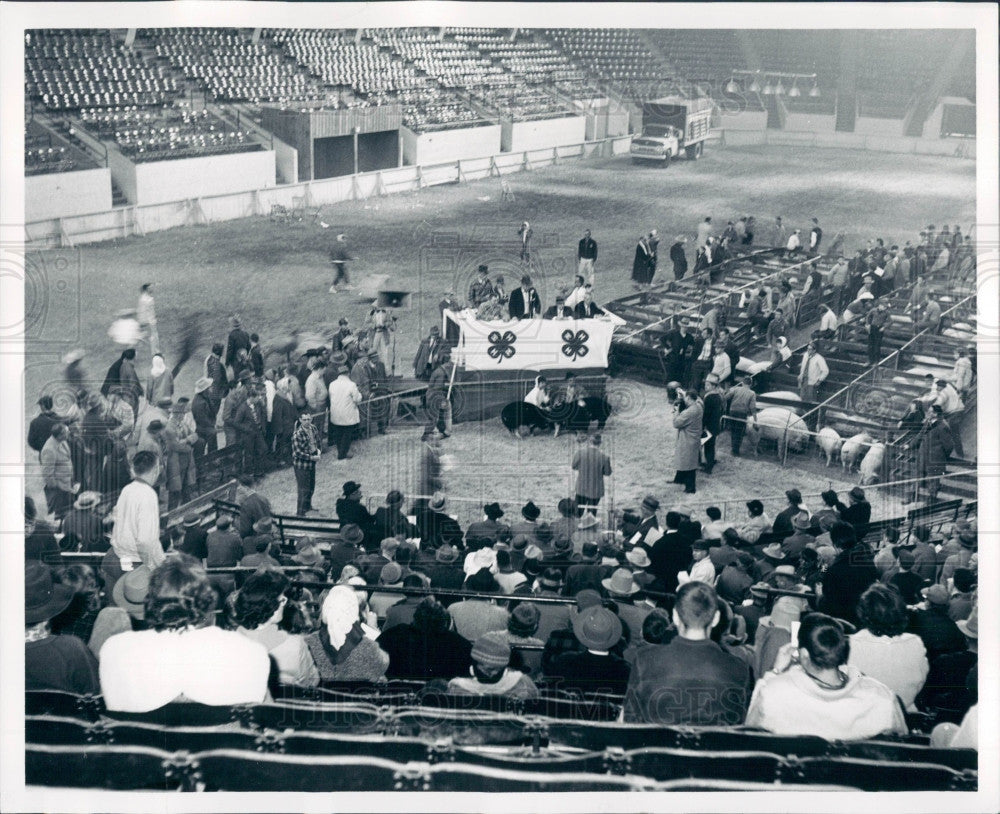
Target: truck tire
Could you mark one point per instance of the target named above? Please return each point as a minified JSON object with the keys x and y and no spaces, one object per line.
{"x":666,"y":160}
{"x":695,"y":150}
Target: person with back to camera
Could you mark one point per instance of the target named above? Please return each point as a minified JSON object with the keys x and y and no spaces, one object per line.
{"x":813,"y":691}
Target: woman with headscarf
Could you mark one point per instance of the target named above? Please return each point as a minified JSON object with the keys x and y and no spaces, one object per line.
{"x":160,"y":384}
{"x":341,"y":648}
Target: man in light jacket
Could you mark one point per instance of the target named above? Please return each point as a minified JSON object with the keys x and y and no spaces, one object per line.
{"x":812,"y":374}
{"x":344,"y":415}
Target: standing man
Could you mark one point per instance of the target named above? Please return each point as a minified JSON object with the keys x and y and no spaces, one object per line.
{"x":688,"y":423}
{"x":429,"y":468}
{"x":203,"y":411}
{"x":732,"y":351}
{"x":524,"y":302}
{"x":255,"y":357}
{"x":369,"y":375}
{"x":742,"y":403}
{"x":875,"y":321}
{"x":592,"y":467}
{"x":339,"y":257}
{"x":239,"y":340}
{"x":813,"y":373}
{"x":438,"y":403}
{"x":429,"y":350}
{"x":586,"y":255}
{"x":704,"y":230}
{"x":780,"y":233}
{"x":703,"y":356}
{"x":712,"y":419}
{"x":933,"y":446}
{"x":653,"y":241}
{"x":640,"y":263}
{"x":57,"y":471}
{"x":135,"y":536}
{"x":215,"y":370}
{"x":525,"y":233}
{"x":344,"y":416}
{"x":40,"y":428}
{"x":305,"y":454}
{"x":678,"y":257}
{"x":481,"y":289}
{"x":250,"y":421}
{"x":815,"y":237}
{"x":838,"y":281}
{"x":145,"y":315}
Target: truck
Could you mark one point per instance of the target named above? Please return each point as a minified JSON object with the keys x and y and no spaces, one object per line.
{"x":671,"y":125}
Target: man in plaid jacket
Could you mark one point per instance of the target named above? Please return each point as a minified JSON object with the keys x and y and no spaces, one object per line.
{"x":305,"y":453}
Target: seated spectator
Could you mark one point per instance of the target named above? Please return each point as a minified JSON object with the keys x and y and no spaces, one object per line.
{"x":948,"y":692}
{"x":774,"y":631}
{"x":428,"y":647}
{"x":507,"y":577}
{"x":144,"y":670}
{"x":263,"y":531}
{"x":625,"y":592}
{"x":391,"y":576}
{"x":702,"y":569}
{"x":691,"y":680}
{"x":656,"y":629}
{"x":53,"y":661}
{"x":885,"y":559}
{"x":809,"y":571}
{"x":195,"y":537}
{"x":725,"y":552}
{"x":931,"y":622}
{"x":813,"y":690}
{"x":474,"y":617}
{"x":963,"y":594}
{"x":78,"y":619}
{"x":401,"y":613}
{"x":883,"y":650}
{"x":521,"y":630}
{"x":342,"y":648}
{"x":733,"y":584}
{"x":489,"y":674}
{"x":848,"y":576}
{"x":793,"y":544}
{"x":262,"y":557}
{"x":908,"y":584}
{"x":39,"y":541}
{"x":259,"y":609}
{"x":757,"y":523}
{"x":596,"y":668}
{"x":489,"y":527}
{"x":223,"y":545}
{"x":830,"y":510}
{"x":82,"y":527}
{"x":253,"y":507}
{"x":389,"y":520}
{"x":783,"y":521}
{"x":713,"y":529}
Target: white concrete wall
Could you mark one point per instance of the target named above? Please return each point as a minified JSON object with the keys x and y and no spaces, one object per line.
{"x":870,"y":126}
{"x":810,"y":121}
{"x":186,"y":178}
{"x":537,"y":135}
{"x":744,"y":120}
{"x":421,"y":149}
{"x":65,"y":194}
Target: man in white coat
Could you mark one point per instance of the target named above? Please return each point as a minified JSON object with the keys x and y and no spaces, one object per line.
{"x":812,"y":374}
{"x":344,"y":415}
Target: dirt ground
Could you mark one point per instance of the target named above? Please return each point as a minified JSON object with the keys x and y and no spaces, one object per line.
{"x":276,"y":277}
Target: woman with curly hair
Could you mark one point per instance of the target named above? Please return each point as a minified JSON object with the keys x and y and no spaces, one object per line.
{"x":883,"y":649}
{"x":182,"y":656}
{"x":259,"y":611}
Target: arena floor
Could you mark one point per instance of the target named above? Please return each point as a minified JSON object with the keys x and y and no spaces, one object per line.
{"x":276,"y":277}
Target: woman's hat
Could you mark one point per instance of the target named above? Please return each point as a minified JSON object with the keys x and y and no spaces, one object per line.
{"x":621,"y":583}
{"x":351,"y":487}
{"x":597,"y":628}
{"x":638,"y":557}
{"x":446,"y":554}
{"x":351,"y":533}
{"x":530,"y":511}
{"x":493,"y":511}
{"x":588,"y":521}
{"x":202,"y":385}
{"x":43,"y":598}
{"x":491,"y":649}
{"x":970,"y":626}
{"x":773,"y":551}
{"x":87,"y":500}
{"x":130,"y":591}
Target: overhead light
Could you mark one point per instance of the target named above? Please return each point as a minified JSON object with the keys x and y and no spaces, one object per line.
{"x":768,"y":90}
{"x":814,"y":92}
{"x":731,"y":87}
{"x":795,"y":90}
{"x":755,"y":86}
{"x":779,"y":89}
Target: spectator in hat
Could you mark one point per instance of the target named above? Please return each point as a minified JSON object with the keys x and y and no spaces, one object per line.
{"x":968,"y":542}
{"x":144,"y":670}
{"x":259,"y":610}
{"x":436,"y":526}
{"x":814,"y":691}
{"x":253,"y":506}
{"x":588,"y":572}
{"x":592,"y":466}
{"x":691,"y":680}
{"x":793,"y":544}
{"x":446,"y":573}
{"x":963,"y":594}
{"x":223,"y":546}
{"x":733,"y":584}
{"x":774,"y":631}
{"x":342,"y":648}
{"x":595,"y":669}
{"x":701,"y":569}
{"x":474,"y":617}
{"x":82,"y":527}
{"x":521,"y":629}
{"x":264,"y":531}
{"x":552,"y":617}
{"x":883,"y":649}
{"x":948,"y":692}
{"x":638,"y":563}
{"x":930,"y":621}
{"x":490,"y":674}
{"x":389,"y":520}
{"x":588,"y":531}
{"x":350,"y":509}
{"x":647,"y":531}
{"x":204,"y":411}
{"x":908,"y":584}
{"x":771,"y":557}
{"x":528,"y":524}
{"x":848,"y":576}
{"x":427,"y":647}
{"x":390,"y":576}
{"x":195,"y":541}
{"x":490,"y":526}
{"x":756,"y":524}
{"x":858,"y":512}
{"x":53,"y":661}
{"x":670,"y":554}
{"x":627,"y":596}
{"x":782,"y":526}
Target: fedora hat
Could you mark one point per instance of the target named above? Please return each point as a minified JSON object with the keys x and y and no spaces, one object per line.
{"x":351,"y":533}
{"x":130,"y":591}
{"x":638,"y":557}
{"x":351,"y":487}
{"x":562,"y":545}
{"x":202,"y":385}
{"x":87,"y":500}
{"x":484,"y":558}
{"x":588,"y":521}
{"x":597,"y":628}
{"x":308,"y":555}
{"x":773,"y":551}
{"x":446,"y":554}
{"x":970,"y":626}
{"x":493,"y":511}
{"x":567,"y":507}
{"x":192,"y":519}
{"x":936,"y":594}
{"x":857,"y":493}
{"x":801,"y":521}
{"x":621,"y":583}
{"x":650,"y":503}
{"x":530,"y":511}
{"x":786,"y":571}
{"x":551,"y":579}
{"x":43,"y":598}
{"x":683,"y":509}
{"x":438,"y":501}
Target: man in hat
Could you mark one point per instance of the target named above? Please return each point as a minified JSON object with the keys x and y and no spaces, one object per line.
{"x":389,"y":519}
{"x":670,"y":554}
{"x":933,"y":445}
{"x":933,"y":625}
{"x":253,"y":506}
{"x":369,"y":375}
{"x":701,"y":569}
{"x":592,"y":467}
{"x":647,"y":531}
{"x":264,"y":530}
{"x":438,"y":395}
{"x":595,"y":668}
{"x":741,"y":402}
{"x":736,"y":578}
{"x":235,"y":399}
{"x":688,"y":423}
{"x":250,"y":421}
{"x":350,"y":509}
{"x":793,"y":544}
{"x":82,"y":527}
{"x":344,"y":415}
{"x":560,"y":310}
{"x":130,"y":593}
{"x":428,"y":353}
{"x":339,"y":257}
{"x":429,"y":467}
{"x":678,"y":257}
{"x":812,"y":373}
{"x":528,"y":524}
{"x":691,"y":680}
{"x":195,"y":537}
{"x":481,"y":289}
{"x":264,"y":555}
{"x":204,"y":411}
{"x":489,"y":527}
{"x":858,"y":512}
{"x":771,"y":557}
{"x":713,"y":402}
{"x":474,"y":617}
{"x":60,"y":485}
{"x":135,"y":536}
{"x":53,"y":662}
{"x":587,"y":572}
{"x":223,"y":545}
{"x":588,"y":531}
{"x":436,"y":526}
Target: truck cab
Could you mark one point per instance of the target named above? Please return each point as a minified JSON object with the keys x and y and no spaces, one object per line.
{"x":658,"y":143}
{"x":671,"y":125}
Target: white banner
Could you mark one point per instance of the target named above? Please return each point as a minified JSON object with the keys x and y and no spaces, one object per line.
{"x":532,"y":344}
